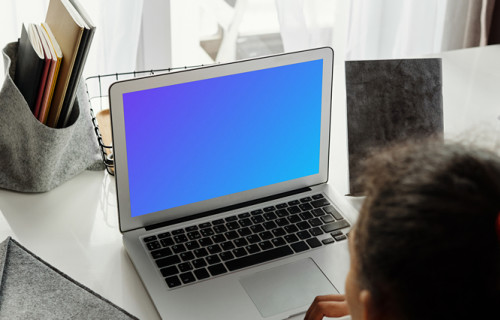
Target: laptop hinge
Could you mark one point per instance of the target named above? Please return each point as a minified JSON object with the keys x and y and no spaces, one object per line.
{"x":228,"y":208}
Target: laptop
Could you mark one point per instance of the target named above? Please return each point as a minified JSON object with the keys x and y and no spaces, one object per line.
{"x":221,"y":180}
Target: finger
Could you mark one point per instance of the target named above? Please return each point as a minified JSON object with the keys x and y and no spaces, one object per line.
{"x":327,"y":309}
{"x":319,"y":299}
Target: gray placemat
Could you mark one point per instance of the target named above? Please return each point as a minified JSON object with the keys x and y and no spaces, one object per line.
{"x":389,"y":101}
{"x":34,"y":157}
{"x":32,"y":289}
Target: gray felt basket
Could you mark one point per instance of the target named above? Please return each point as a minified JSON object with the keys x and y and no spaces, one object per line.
{"x":33,"y":156}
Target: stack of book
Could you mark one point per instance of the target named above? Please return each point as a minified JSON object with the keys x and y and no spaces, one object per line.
{"x":51,"y":57}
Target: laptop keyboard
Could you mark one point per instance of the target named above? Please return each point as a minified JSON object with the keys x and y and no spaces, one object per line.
{"x":209,"y":249}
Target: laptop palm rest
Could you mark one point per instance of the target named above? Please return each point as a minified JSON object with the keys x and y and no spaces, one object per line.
{"x":287,"y":287}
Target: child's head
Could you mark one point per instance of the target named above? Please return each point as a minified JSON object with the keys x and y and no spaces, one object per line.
{"x":426,"y":245}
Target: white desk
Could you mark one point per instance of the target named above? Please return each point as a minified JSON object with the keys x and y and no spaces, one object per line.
{"x":75,"y":226}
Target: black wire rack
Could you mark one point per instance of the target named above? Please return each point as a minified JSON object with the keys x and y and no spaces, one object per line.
{"x":97,"y":92}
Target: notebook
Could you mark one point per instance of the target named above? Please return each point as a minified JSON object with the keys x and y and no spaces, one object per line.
{"x":221,"y":181}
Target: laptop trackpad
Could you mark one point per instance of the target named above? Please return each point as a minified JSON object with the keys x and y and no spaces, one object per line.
{"x":286,"y":287}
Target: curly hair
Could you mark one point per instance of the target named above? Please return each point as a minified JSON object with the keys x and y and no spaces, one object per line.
{"x":426,"y":238}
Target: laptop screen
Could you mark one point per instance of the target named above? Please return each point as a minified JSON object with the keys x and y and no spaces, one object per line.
{"x":205,"y":139}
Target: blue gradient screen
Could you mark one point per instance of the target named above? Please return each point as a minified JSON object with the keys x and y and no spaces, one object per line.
{"x":209,"y":138}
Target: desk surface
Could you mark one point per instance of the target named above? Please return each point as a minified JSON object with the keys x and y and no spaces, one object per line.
{"x":75,"y":226}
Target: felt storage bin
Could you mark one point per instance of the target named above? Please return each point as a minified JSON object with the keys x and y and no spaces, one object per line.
{"x":33,"y":156}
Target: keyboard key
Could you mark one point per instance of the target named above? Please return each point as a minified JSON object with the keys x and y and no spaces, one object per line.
{"x":213,"y":249}
{"x":269,"y":216}
{"x":303,"y":235}
{"x":294,"y":218}
{"x":278,"y":242}
{"x":243,"y":232}
{"x":239,"y":252}
{"x":240,"y":242}
{"x":257,"y":228}
{"x":254,"y":238}
{"x":205,"y":225}
{"x":282,"y":213}
{"x":328,"y":241}
{"x":153,"y":245}
{"x":178,"y":248}
{"x":327,"y":218}
{"x":293,"y":202}
{"x":269,"y":209}
{"x":282,"y":222}
{"x":266,"y":235}
{"x":168,"y":261}
{"x":305,"y":206}
{"x":299,"y":246}
{"x":218,"y":238}
{"x":220,"y":228}
{"x":218,"y":222}
{"x":185,"y":266}
{"x":253,"y":248}
{"x":169,"y":271}
{"x":191,"y":245}
{"x":217,"y":269}
{"x":232,"y":225}
{"x":257,"y":258}
{"x":294,"y":210}
{"x":256,"y":212}
{"x":291,"y":228}
{"x":315,"y":222}
{"x":231,"y":218}
{"x":279,"y":232}
{"x":331,"y":210}
{"x":173,"y":282}
{"x":201,"y":274}
{"x":232,"y":235}
{"x":199,"y":263}
{"x":320,"y":203}
{"x":313,"y":243}
{"x":191,"y":228}
{"x":161,"y":253}
{"x":317,"y":196}
{"x":180,"y":238}
{"x":186,"y":256}
{"x":318,"y":212}
{"x":316,"y":231}
{"x":194,"y":235}
{"x":177,"y":232}
{"x":336,"y":233}
{"x":340,"y":238}
{"x":306,"y":215}
{"x":257,"y":219}
{"x":265,"y":245}
{"x":244,"y":215}
{"x":207,"y":232}
{"x":187,"y":277}
{"x":206,"y":242}
{"x":306,"y":199}
{"x":213,"y":259}
{"x":228,"y":245}
{"x":164,"y":235}
{"x":149,"y":239}
{"x":227,"y":255}
{"x":269,"y":225}
{"x":246,"y":222}
{"x":199,"y":253}
{"x":167,"y":242}
{"x":335,"y":226}
{"x":281,"y":205}
{"x":304,"y":225}
{"x":290,"y":238}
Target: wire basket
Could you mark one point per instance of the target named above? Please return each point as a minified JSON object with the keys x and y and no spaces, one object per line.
{"x":97,"y":92}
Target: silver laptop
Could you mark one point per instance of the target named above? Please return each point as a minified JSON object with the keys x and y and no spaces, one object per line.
{"x":221,"y":176}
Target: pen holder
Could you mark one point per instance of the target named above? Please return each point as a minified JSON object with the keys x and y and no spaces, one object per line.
{"x":33,"y":156}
